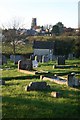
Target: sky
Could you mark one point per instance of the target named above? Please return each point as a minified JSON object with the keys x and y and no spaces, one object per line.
{"x":46,"y":11}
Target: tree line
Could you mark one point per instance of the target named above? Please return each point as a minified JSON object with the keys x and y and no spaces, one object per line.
{"x":63,"y":46}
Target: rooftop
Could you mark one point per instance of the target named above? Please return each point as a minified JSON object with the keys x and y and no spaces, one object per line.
{"x":43,"y":45}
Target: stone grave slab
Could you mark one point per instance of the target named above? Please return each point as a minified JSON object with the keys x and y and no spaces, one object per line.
{"x":36,"y":86}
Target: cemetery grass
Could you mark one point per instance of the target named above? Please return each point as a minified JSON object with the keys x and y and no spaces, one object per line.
{"x":18,"y":103}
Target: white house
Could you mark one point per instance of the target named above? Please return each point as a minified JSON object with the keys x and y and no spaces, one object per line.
{"x":43,"y":48}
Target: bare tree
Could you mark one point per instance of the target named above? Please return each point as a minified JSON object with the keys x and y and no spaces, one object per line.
{"x":11,"y":34}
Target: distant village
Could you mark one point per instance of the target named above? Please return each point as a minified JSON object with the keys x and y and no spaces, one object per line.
{"x":45,"y":46}
{"x":47,"y":30}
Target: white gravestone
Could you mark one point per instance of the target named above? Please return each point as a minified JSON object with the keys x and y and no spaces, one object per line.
{"x":35,"y":63}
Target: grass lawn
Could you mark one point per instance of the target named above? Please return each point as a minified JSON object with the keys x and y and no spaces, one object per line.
{"x":18,"y":103}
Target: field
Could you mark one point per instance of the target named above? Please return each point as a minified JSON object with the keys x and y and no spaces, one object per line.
{"x":18,"y":103}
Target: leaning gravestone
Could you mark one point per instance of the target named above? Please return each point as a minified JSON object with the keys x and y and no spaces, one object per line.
{"x":37,"y":86}
{"x":72,"y":81}
{"x":61,"y":60}
{"x":25,"y":65}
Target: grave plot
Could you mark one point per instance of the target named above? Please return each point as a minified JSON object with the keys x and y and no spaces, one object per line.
{"x":64,"y":66}
{"x":37,"y":86}
{"x":61,"y":60}
{"x":56,"y":80}
{"x":71,"y":80}
{"x":61,"y":63}
{"x":28,"y":67}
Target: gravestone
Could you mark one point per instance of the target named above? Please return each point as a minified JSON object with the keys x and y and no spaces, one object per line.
{"x":70,"y":57}
{"x":55,"y":94}
{"x":2,"y":82}
{"x":43,"y":59}
{"x":41,"y":77}
{"x":37,"y":86}
{"x":32,"y":57}
{"x":72,"y":81}
{"x":46,"y":58}
{"x":36,"y":58}
{"x":4,"y":60}
{"x":16,"y":58}
{"x":51,"y":56}
{"x":39,"y":58}
{"x":35,"y":64}
{"x":61,"y":60}
{"x":0,"y":59}
{"x":25,"y":65}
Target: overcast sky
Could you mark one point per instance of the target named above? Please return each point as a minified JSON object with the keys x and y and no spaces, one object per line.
{"x":46,"y":12}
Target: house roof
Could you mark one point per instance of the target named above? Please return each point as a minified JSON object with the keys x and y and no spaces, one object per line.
{"x":43,"y":45}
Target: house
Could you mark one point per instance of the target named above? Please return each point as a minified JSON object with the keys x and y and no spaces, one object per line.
{"x":43,"y":48}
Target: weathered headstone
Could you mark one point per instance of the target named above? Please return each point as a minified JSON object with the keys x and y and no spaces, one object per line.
{"x":35,"y":64}
{"x":32,"y":57}
{"x":72,"y":81}
{"x":4,"y":60}
{"x":25,"y":65}
{"x":54,"y":57}
{"x":70,"y":56}
{"x":36,"y":58}
{"x":61,"y":60}
{"x":37,"y":86}
{"x":2,"y":82}
{"x":55,"y":94}
{"x":43,"y":59}
{"x":46,"y":58}
{"x":16,"y":58}
{"x":51,"y":56}
{"x":39,"y":58}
